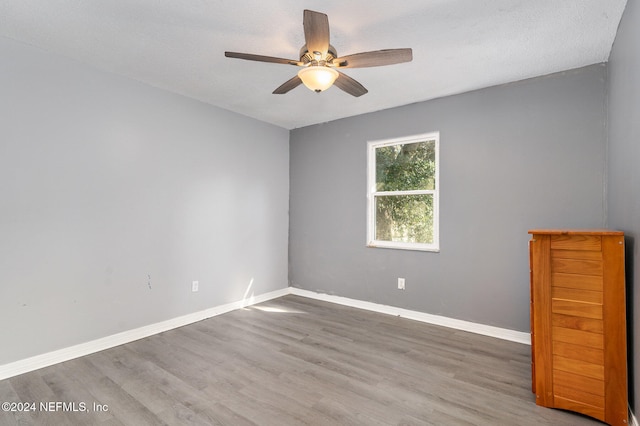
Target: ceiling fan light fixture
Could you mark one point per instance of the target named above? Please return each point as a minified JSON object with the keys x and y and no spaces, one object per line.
{"x":318,"y":78}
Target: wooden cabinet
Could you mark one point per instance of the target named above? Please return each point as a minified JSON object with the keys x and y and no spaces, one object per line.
{"x":578,"y":322}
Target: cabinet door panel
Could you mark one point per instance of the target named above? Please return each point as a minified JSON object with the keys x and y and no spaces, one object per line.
{"x":579,"y":367}
{"x":571,"y":351}
{"x":583,"y":282}
{"x":578,"y":323}
{"x":579,"y":407}
{"x":576,"y":242}
{"x":576,"y":381}
{"x":577,"y":266}
{"x":577,"y":295}
{"x":578,"y":309}
{"x":577,"y":254}
{"x":579,"y":395}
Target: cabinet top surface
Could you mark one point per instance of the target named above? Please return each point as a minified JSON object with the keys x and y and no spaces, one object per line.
{"x":589,"y":231}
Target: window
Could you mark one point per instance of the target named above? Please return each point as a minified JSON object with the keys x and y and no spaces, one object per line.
{"x":403,"y":193}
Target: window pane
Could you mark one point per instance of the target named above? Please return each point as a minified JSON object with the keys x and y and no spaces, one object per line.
{"x":405,"y":167}
{"x":404,"y":218}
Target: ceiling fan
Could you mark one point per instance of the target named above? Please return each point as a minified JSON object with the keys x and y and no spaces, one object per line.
{"x":320,"y":61}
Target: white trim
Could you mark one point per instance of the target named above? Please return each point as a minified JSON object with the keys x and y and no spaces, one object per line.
{"x":486,"y":330}
{"x":82,"y":349}
{"x":632,"y":419}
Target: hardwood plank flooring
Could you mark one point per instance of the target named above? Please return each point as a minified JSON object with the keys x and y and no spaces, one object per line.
{"x":292,"y":361}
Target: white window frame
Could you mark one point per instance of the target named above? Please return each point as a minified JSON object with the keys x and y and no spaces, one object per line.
{"x":372,"y":193}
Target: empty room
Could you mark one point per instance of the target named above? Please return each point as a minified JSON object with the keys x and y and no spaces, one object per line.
{"x":319,"y":212}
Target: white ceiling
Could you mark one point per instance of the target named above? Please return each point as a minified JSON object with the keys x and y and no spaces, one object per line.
{"x":178,"y":45}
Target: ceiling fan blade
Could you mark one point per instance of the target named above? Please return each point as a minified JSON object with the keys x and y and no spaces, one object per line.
{"x":349,"y":85}
{"x":374,"y":59}
{"x":288,"y":85}
{"x":316,"y":32}
{"x":261,"y":58}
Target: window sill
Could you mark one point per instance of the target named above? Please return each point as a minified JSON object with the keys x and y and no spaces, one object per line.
{"x":404,"y":247}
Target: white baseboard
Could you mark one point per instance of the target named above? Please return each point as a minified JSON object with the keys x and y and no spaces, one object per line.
{"x":632,"y":418}
{"x":486,"y":330}
{"x":40,"y":361}
{"x":44,"y":360}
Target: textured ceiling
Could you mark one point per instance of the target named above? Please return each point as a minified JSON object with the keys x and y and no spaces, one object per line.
{"x":178,"y":45}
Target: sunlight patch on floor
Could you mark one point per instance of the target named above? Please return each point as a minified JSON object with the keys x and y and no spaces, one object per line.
{"x":277,"y":310}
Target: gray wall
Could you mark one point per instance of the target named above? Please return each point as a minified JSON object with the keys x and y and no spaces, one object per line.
{"x":624,"y":168}
{"x":105,"y":182}
{"x":514,"y":157}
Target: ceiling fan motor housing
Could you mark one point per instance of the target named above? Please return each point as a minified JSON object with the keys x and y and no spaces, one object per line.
{"x":310,"y":57}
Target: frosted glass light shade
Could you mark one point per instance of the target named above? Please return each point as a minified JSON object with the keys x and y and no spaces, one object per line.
{"x":318,"y":78}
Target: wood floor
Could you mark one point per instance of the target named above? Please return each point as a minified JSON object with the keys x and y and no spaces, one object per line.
{"x":291,"y":361}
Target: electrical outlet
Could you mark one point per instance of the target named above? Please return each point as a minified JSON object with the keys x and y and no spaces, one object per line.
{"x":194,"y":286}
{"x":400,"y":283}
